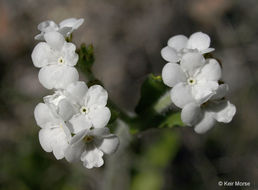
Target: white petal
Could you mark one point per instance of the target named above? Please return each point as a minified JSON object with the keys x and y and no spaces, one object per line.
{"x":72,"y":22}
{"x":169,"y":54}
{"x":199,"y":40}
{"x":191,"y":114}
{"x":178,"y":42}
{"x":109,"y":144}
{"x":96,"y":95}
{"x":80,"y":122}
{"x":77,"y":90}
{"x":224,"y":111}
{"x":40,"y":55}
{"x":92,"y":158}
{"x":45,"y":140}
{"x":100,"y":117}
{"x":65,"y":31}
{"x":55,"y":76}
{"x":66,"y":110}
{"x":55,"y":40}
{"x":207,"y":50}
{"x":100,"y":132}
{"x":43,"y":115}
{"x":210,"y":71}
{"x":205,"y":124}
{"x":172,"y":74}
{"x":47,"y":26}
{"x":220,"y":92}
{"x":204,"y":90}
{"x":59,"y":142}
{"x":73,"y":152}
{"x":69,"y":54}
{"x":181,"y":95}
{"x":192,"y":62}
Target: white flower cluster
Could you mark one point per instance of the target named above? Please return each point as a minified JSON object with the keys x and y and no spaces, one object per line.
{"x":195,"y":82}
{"x":72,"y":120}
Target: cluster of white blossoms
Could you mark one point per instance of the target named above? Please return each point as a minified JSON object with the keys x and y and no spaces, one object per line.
{"x":195,"y":82}
{"x":73,"y":119}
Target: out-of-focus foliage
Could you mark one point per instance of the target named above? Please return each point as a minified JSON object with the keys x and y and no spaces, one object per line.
{"x":127,"y":38}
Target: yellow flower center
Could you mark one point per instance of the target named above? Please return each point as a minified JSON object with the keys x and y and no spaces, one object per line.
{"x":191,"y":81}
{"x":60,"y":60}
{"x":88,"y":139}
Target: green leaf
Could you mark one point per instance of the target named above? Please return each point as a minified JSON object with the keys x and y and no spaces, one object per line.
{"x":152,"y":89}
{"x":152,"y":162}
{"x":86,"y":60}
{"x":174,"y":119}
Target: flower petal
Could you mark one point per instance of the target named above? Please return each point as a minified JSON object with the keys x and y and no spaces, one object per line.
{"x":191,"y":114}
{"x":100,"y":117}
{"x":169,"y":54}
{"x":172,"y":74}
{"x":208,"y":50}
{"x":224,"y":111}
{"x":205,"y":124}
{"x":40,"y":55}
{"x":72,"y":22}
{"x":77,"y":91}
{"x":69,"y":54}
{"x":92,"y":158}
{"x":211,"y":71}
{"x":204,"y":90}
{"x":55,"y":76}
{"x":181,"y":95}
{"x":65,"y":109}
{"x":65,"y":31}
{"x":109,"y":144}
{"x":43,"y":115}
{"x":73,"y":151}
{"x":199,"y":40}
{"x":55,"y":40}
{"x":96,"y":95}
{"x":191,"y":62}
{"x":45,"y":140}
{"x":80,"y":122}
{"x":220,"y":92}
{"x":178,"y":42}
{"x":47,"y":26}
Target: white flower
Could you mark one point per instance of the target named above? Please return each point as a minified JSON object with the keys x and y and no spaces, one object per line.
{"x":179,"y":45}
{"x":54,"y":134}
{"x":56,"y":59}
{"x":194,"y":80}
{"x":89,"y":145}
{"x":66,"y":27}
{"x":86,"y":106}
{"x":203,"y":117}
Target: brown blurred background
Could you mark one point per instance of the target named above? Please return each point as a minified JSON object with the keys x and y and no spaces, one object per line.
{"x":128,"y":36}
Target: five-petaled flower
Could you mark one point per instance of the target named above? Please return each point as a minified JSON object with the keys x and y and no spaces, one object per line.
{"x":194,"y":80}
{"x":54,"y":136}
{"x":204,"y":116}
{"x":179,"y":45}
{"x":56,"y":58}
{"x":89,"y":145}
{"x":85,"y":108}
{"x":66,"y":27}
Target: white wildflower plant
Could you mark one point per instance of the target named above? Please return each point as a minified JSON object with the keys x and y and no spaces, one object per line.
{"x":74,"y":119}
{"x":195,"y":82}
{"x":75,"y":114}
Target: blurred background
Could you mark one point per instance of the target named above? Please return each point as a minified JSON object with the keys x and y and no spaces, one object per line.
{"x":127,"y":37}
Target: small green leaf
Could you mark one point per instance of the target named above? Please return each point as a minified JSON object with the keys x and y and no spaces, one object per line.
{"x":152,"y":89}
{"x":86,"y":60}
{"x":174,"y":119}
